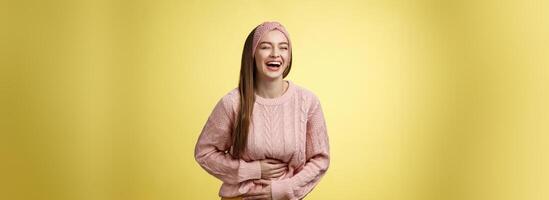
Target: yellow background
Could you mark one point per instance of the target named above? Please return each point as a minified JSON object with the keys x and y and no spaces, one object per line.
{"x":423,"y":99}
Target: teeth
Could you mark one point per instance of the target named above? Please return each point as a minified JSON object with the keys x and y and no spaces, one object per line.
{"x":274,"y":63}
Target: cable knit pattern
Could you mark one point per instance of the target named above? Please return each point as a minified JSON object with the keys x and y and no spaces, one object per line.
{"x":290,"y":128}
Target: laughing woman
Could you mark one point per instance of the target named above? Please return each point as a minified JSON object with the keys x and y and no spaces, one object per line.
{"x":266,"y":139}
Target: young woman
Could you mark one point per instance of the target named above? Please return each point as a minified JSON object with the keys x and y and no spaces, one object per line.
{"x":267,"y":138}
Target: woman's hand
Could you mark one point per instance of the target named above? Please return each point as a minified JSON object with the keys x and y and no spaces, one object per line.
{"x":263,"y":194}
{"x":271,"y":168}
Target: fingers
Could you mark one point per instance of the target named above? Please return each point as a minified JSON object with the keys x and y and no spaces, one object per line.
{"x":262,"y":182}
{"x":272,"y":168}
{"x":275,"y":170}
{"x":272,"y":161}
{"x":272,"y":164}
{"x":275,"y":173}
{"x":278,"y":165}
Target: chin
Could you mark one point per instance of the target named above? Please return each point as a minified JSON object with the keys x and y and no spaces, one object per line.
{"x":273,"y":76}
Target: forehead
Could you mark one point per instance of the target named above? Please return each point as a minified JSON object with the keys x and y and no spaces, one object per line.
{"x":274,"y":36}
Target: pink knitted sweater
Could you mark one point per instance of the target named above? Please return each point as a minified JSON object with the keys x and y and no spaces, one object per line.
{"x":290,"y":128}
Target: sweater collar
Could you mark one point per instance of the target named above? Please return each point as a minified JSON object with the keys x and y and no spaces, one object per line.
{"x":277,"y":100}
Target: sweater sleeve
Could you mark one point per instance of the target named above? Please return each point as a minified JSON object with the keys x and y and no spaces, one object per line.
{"x":318,"y":160}
{"x":214,"y":143}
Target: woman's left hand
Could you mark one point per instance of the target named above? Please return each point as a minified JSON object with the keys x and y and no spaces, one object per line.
{"x":263,"y":194}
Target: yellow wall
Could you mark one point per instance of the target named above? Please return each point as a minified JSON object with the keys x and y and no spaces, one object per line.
{"x":423,"y":99}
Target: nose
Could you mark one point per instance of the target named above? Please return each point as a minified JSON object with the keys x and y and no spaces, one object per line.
{"x":275,"y":53}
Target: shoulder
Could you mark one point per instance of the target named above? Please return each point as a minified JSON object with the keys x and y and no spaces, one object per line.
{"x":231,"y":96}
{"x":309,"y":99}
{"x":230,"y":100}
{"x":306,"y":94}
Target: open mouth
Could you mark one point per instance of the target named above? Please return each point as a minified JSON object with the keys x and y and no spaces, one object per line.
{"x":273,"y":65}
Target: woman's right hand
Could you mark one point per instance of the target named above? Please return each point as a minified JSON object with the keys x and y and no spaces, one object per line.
{"x":271,"y":168}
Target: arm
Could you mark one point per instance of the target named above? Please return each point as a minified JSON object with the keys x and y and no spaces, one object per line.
{"x":211,"y":151}
{"x":318,"y":160}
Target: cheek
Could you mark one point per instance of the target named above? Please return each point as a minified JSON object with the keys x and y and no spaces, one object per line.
{"x":285,"y":54}
{"x":258,"y":63}
{"x":260,"y":58}
{"x":286,"y":57}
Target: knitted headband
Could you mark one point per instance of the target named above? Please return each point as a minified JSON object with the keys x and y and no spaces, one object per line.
{"x":266,"y":27}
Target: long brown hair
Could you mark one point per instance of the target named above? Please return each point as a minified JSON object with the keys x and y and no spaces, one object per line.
{"x":246,"y":87}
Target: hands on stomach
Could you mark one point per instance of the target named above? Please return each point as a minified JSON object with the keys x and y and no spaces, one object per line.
{"x":270,"y":168}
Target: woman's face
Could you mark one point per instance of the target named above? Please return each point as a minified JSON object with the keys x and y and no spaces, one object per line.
{"x":272,"y":55}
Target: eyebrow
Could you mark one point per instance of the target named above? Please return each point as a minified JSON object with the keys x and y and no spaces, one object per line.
{"x":286,"y":43}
